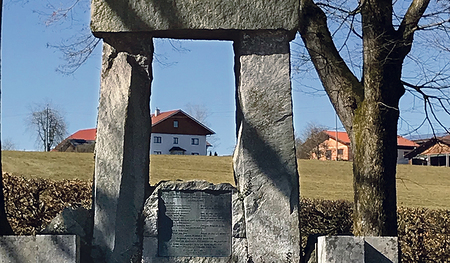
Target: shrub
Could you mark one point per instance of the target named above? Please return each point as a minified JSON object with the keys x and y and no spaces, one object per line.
{"x":424,"y":234}
{"x":32,"y":203}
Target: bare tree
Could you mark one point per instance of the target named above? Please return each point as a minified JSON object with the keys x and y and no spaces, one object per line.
{"x":308,"y":145}
{"x":201,"y":114}
{"x":8,"y":145}
{"x":377,"y":39}
{"x":49,"y":125}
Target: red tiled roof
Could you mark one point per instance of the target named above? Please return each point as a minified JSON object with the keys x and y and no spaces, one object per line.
{"x":405,"y":142}
{"x":87,"y":134}
{"x":343,"y":138}
{"x":162,"y":116}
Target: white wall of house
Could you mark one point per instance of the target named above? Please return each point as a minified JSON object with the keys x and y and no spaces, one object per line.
{"x":184,"y":141}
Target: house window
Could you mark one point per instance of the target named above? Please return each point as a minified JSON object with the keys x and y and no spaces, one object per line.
{"x":175,"y":140}
{"x":175,"y":124}
{"x":195,"y":154}
{"x":194,"y":141}
{"x":340,"y":151}
{"x":157,"y":139}
{"x":157,"y":152}
{"x":328,"y":154}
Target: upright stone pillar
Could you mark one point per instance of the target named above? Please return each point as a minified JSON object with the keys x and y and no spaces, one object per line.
{"x":265,"y":165}
{"x":122,"y":148}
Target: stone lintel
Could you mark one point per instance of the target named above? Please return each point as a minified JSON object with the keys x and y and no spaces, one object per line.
{"x":264,"y":160}
{"x":203,"y":17}
{"x":122,"y":150}
{"x":230,"y":35}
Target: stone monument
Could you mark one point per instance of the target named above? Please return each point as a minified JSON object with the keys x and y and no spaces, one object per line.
{"x":194,"y":221}
{"x":264,"y":160}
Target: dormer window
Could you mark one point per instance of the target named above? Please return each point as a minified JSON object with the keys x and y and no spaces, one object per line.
{"x":175,"y":124}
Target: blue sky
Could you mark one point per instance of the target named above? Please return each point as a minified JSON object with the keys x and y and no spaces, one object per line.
{"x":194,"y":72}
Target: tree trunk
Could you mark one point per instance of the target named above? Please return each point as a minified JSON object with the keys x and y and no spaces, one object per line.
{"x":368,"y":109}
{"x":374,"y":127}
{"x":374,"y":147}
{"x":5,"y":227}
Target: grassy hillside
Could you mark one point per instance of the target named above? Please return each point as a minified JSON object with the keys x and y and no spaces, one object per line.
{"x":417,"y":186}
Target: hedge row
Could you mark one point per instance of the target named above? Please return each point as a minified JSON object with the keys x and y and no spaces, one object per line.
{"x":32,"y":203}
{"x":424,"y":234}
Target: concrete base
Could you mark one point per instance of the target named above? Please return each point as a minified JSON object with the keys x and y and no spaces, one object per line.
{"x":40,"y":249}
{"x":349,"y":249}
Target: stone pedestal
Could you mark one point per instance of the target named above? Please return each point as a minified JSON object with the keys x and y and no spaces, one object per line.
{"x":264,"y":160}
{"x":40,"y":249}
{"x":334,"y":249}
{"x":153,"y":227}
{"x":122,"y":148}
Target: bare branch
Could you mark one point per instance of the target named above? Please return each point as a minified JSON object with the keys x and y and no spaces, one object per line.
{"x":343,"y":88}
{"x":433,"y":25}
{"x":57,"y":14}
{"x":76,"y":53}
{"x":411,"y":19}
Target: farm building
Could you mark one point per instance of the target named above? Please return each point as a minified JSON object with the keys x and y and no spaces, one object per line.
{"x":173,"y":132}
{"x":337,"y":147}
{"x":80,"y":141}
{"x":434,"y":152}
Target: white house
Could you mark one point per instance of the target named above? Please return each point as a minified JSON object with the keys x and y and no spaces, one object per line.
{"x":175,"y":132}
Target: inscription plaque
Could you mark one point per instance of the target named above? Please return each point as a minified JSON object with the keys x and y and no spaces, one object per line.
{"x":194,"y":224}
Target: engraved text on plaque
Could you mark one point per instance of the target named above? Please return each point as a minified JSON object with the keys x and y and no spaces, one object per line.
{"x":194,"y":224}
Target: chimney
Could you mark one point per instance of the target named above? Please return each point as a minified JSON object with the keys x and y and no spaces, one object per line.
{"x":157,"y":112}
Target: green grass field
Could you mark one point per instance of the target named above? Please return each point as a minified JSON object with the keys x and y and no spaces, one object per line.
{"x":417,"y":186}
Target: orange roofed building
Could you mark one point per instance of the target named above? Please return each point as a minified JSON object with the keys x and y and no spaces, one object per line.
{"x":80,"y":141}
{"x":337,"y":147}
{"x":434,"y":151}
{"x":173,"y":132}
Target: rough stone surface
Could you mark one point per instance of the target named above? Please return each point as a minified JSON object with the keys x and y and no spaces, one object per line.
{"x":150,"y":252}
{"x":40,"y":249}
{"x":122,"y":149}
{"x":74,"y":221}
{"x":381,"y":249}
{"x":334,"y":249}
{"x":193,"y":19}
{"x":18,"y":249}
{"x":58,"y":248}
{"x":264,"y":160}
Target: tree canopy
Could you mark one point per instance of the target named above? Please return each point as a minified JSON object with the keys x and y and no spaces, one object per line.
{"x":49,"y":125}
